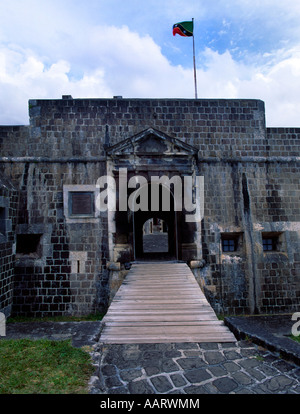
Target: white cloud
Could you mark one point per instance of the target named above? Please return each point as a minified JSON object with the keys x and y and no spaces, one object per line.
{"x":47,"y":53}
{"x":137,"y":68}
{"x":278,"y":84}
{"x":112,"y":61}
{"x":24,"y":76}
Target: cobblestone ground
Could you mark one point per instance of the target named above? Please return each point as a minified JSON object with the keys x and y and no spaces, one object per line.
{"x":191,"y":368}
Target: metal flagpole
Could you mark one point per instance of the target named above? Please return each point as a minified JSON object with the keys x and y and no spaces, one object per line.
{"x":195,"y":74}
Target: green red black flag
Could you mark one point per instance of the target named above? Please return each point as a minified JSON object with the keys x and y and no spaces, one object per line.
{"x":186,"y":29}
{"x":183,"y":29}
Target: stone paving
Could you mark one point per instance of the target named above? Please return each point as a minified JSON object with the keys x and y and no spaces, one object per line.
{"x":191,"y":368}
{"x":240,"y":367}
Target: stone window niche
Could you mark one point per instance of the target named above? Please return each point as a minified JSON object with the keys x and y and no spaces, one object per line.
{"x":272,"y":242}
{"x":5,"y":220}
{"x":79,"y":203}
{"x":29,"y":245}
{"x":2,"y":221}
{"x":231,"y":243}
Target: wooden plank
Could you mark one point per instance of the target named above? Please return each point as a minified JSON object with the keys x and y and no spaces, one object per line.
{"x":153,"y":318}
{"x":159,"y":291}
{"x":136,"y":339}
{"x":150,"y":304}
{"x":160,"y":323}
{"x":163,"y":312}
{"x":162,"y":303}
{"x":166,"y":330}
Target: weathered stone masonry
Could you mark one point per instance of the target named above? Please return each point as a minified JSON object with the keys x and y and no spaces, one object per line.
{"x":56,"y":262}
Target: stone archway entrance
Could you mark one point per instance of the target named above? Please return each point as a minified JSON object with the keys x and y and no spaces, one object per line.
{"x":155,"y":233}
{"x":133,"y":164}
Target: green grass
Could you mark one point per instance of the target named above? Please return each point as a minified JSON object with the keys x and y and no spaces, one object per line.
{"x":43,"y":367}
{"x":295,"y":338}
{"x":91,"y":317}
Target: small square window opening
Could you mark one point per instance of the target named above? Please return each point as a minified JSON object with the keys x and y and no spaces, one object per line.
{"x":231,"y":242}
{"x":229,"y":245}
{"x":270,"y":243}
{"x":29,"y":244}
{"x":2,"y":221}
{"x":81,"y":204}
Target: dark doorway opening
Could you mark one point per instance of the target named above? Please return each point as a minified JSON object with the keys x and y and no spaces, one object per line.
{"x":155,"y":232}
{"x":155,"y":236}
{"x":29,"y":245}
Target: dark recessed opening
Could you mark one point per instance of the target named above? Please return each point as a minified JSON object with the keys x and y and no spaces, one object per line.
{"x":2,"y":221}
{"x":229,"y":245}
{"x":155,"y":236}
{"x":28,"y":244}
{"x":231,"y":242}
{"x":81,"y":203}
{"x":271,"y":242}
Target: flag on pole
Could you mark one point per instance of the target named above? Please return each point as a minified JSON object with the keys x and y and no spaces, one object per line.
{"x":185,"y":29}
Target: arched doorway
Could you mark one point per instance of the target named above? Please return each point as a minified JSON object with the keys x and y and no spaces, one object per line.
{"x":133,"y":163}
{"x":155,"y":236}
{"x":155,"y":233}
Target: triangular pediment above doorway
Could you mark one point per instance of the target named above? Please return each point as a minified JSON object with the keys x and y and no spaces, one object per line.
{"x":151,"y":142}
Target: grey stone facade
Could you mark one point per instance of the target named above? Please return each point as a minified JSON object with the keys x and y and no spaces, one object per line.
{"x":245,"y":252}
{"x":8,"y":211}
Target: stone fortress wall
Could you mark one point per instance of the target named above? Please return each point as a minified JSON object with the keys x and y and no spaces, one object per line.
{"x":245,"y":253}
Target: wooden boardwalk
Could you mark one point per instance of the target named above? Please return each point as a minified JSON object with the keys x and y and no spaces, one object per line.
{"x":161,"y":303}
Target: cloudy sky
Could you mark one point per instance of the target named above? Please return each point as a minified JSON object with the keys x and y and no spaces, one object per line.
{"x":102,"y":48}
